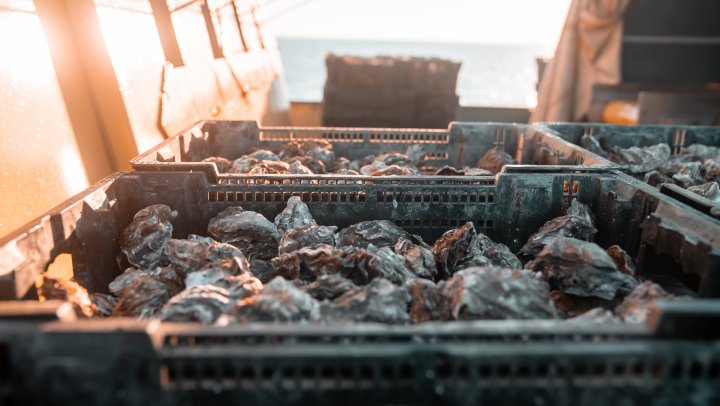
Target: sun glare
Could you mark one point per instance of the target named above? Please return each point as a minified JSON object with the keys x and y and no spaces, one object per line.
{"x":451,"y":21}
{"x":28,"y":47}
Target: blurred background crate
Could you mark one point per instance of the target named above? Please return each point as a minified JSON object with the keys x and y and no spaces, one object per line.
{"x":390,"y":92}
{"x":461,"y":144}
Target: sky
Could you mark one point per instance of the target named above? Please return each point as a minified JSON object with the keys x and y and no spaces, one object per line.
{"x":448,"y":21}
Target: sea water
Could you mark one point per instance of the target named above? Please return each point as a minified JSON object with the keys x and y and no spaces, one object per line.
{"x":491,"y":74}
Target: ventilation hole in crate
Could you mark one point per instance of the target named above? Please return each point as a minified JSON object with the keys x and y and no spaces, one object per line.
{"x":443,"y":369}
{"x":170,"y":368}
{"x":462,"y":372}
{"x":436,"y":156}
{"x":504,"y":371}
{"x":327,"y":372}
{"x":227,"y":371}
{"x":678,"y":141}
{"x":561,"y":371}
{"x":307,"y":372}
{"x":366,"y":372}
{"x":580,"y":370}
{"x":208,"y":372}
{"x":189,"y":371}
{"x":386,"y":372}
{"x":346,"y":372}
{"x":288,"y":373}
{"x":714,"y":370}
{"x":637,"y":369}
{"x":542,"y":370}
{"x":696,"y":370}
{"x":657,"y":369}
{"x":491,"y":197}
{"x":436,"y":198}
{"x":484,"y":372}
{"x":5,"y":370}
{"x":599,"y":370}
{"x":406,"y":371}
{"x":523,"y":371}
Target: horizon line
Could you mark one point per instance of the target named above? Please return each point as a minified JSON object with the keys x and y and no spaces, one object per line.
{"x":414,"y":41}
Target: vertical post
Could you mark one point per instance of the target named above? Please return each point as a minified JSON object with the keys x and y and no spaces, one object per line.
{"x":212,"y":34}
{"x":257,"y":27}
{"x":166,"y":31}
{"x":238,"y":22}
{"x":86,"y":77}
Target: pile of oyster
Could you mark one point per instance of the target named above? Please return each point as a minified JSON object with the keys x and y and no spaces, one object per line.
{"x":251,"y":269}
{"x":696,"y":167}
{"x":318,"y":157}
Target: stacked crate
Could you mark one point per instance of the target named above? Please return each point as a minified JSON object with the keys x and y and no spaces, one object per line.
{"x":390,"y":92}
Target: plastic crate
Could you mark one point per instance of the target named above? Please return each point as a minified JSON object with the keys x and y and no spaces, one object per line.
{"x":547,"y":362}
{"x":676,"y":137}
{"x":621,"y":136}
{"x":461,"y":144}
{"x":662,"y":235}
{"x":421,"y":75}
{"x":456,"y":363}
